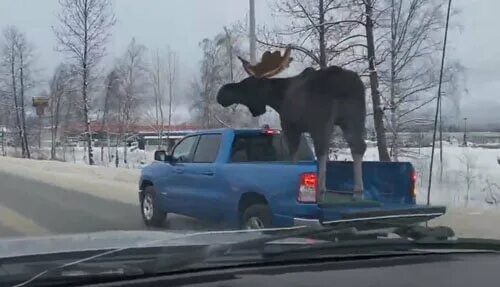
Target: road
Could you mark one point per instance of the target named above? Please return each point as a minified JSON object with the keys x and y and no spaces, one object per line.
{"x":30,"y":208}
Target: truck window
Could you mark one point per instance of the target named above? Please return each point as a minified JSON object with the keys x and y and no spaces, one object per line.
{"x":258,"y":148}
{"x":183,"y":152}
{"x":207,"y":149}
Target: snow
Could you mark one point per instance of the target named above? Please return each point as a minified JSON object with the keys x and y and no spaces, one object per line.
{"x":470,"y":213}
{"x":118,"y":184}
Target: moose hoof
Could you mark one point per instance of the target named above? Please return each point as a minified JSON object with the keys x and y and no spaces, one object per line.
{"x":357,"y":195}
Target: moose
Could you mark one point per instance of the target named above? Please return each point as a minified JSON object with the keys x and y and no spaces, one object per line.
{"x":312,"y":102}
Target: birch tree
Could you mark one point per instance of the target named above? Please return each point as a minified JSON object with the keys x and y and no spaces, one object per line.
{"x":84,"y":28}
{"x":323,"y":32}
{"x":157,"y":78}
{"x":219,"y":65}
{"x":17,"y":59}
{"x":411,"y":72}
{"x":61,"y":86}
{"x":112,"y":90}
{"x":172,"y":75}
{"x":133,"y":71}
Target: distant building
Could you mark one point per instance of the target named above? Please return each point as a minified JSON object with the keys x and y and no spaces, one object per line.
{"x":146,"y":136}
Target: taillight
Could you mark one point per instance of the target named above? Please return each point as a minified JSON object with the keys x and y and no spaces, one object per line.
{"x":413,"y":190}
{"x":270,"y":132}
{"x":307,"y":188}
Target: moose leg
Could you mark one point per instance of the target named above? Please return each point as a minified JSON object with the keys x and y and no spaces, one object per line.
{"x":292,"y":137}
{"x":354,"y":138}
{"x":321,"y":142}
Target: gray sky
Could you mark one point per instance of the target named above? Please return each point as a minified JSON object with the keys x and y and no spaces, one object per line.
{"x":183,"y":23}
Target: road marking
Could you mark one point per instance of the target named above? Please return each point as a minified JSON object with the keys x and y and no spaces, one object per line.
{"x":19,"y":223}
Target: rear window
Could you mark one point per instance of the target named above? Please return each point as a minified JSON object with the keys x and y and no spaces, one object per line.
{"x":258,"y":148}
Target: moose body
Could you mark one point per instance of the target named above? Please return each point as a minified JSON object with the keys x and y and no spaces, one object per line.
{"x":314,"y":102}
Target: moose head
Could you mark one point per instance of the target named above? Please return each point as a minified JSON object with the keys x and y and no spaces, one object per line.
{"x":254,"y":91}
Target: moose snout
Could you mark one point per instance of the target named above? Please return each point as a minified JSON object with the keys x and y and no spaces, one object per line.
{"x":224,"y":96}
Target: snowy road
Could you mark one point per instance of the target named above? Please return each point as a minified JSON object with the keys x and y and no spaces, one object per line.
{"x":98,"y":198}
{"x":29,"y":207}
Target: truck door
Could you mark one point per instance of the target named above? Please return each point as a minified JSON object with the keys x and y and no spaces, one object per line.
{"x":176,"y":201}
{"x":204,"y":191}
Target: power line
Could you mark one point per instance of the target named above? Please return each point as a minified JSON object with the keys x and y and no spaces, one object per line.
{"x":438,"y":103}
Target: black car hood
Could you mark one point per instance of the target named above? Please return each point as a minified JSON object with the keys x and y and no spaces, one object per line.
{"x":24,"y":246}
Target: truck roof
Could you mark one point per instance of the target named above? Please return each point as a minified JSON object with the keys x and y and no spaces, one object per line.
{"x":227,"y":130}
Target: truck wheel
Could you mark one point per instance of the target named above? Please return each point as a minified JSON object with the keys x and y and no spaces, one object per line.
{"x":257,"y":216}
{"x":151,"y":214}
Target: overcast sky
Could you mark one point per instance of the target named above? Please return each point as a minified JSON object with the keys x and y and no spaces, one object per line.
{"x":183,"y":23}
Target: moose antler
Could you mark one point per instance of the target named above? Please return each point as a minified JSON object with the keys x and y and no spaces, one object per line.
{"x":270,"y":64}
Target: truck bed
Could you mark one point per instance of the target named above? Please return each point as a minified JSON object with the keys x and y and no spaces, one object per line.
{"x":384,"y":182}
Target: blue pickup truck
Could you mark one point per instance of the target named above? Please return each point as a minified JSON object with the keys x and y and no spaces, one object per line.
{"x":244,"y":178}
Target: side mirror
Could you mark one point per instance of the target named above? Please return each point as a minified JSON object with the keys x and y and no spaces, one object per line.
{"x":161,"y":155}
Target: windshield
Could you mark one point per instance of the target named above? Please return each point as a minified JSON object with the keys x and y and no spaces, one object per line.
{"x":349,"y":109}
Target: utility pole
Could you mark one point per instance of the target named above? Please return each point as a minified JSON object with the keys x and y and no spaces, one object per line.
{"x":465,"y":131}
{"x":253,"y":47}
{"x":253,"y":57}
{"x":438,"y":103}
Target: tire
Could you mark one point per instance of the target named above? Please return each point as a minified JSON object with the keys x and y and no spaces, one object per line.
{"x":151,"y":213}
{"x":256,"y":216}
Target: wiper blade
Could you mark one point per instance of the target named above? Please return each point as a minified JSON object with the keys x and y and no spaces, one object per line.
{"x":374,"y":246}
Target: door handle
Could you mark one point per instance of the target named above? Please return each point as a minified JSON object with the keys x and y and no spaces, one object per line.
{"x":208,"y":172}
{"x":179,"y":170}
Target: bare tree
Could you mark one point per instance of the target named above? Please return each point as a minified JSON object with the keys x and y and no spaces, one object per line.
{"x":219,"y":66}
{"x":60,"y":87}
{"x":172,"y":74}
{"x":9,"y":65}
{"x":410,"y":74}
{"x":112,"y":84}
{"x":17,"y":57}
{"x":133,"y":74}
{"x":378,"y":111}
{"x":157,"y":80}
{"x":324,"y":31}
{"x":84,"y":29}
{"x":212,"y":75}
{"x":468,"y":173}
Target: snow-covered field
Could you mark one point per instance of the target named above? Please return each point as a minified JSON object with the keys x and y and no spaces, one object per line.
{"x":470,"y":177}
{"x":470,"y":184}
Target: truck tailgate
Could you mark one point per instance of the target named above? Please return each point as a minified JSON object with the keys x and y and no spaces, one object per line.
{"x":386,"y":182}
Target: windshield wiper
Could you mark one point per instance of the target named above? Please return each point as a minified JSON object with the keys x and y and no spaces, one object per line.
{"x":410,"y":238}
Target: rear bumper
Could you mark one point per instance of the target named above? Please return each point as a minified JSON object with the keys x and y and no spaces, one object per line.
{"x":297,"y":221}
{"x":390,"y":217}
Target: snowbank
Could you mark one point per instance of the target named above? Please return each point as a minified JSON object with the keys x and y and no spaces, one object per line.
{"x":118,"y":184}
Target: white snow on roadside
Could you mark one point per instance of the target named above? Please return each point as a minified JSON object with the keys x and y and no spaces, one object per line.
{"x":118,"y":184}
